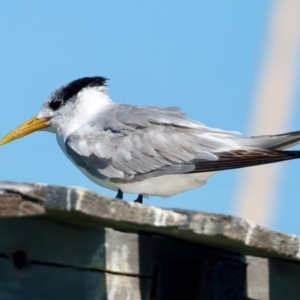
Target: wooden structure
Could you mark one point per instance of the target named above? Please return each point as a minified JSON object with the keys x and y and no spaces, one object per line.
{"x":70,"y":243}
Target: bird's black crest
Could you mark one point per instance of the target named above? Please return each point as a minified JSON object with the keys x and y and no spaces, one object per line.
{"x":66,"y":92}
{"x":72,"y":88}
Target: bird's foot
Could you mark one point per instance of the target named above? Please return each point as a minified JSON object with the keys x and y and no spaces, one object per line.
{"x":139,"y":199}
{"x":119,"y":194}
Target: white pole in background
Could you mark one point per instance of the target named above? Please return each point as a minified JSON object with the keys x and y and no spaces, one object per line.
{"x":257,"y":187}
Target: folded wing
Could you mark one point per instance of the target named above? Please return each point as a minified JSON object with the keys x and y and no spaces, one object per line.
{"x":130,"y":143}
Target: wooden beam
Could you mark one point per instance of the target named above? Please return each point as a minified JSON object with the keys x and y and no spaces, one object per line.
{"x":75,"y":244}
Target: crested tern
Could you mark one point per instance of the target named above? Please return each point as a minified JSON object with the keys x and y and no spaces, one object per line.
{"x":144,"y":150}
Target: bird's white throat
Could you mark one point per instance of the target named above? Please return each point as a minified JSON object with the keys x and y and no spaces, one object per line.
{"x":79,"y":111}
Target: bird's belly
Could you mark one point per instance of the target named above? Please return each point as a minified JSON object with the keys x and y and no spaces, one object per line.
{"x":163,"y":186}
{"x":167,"y":185}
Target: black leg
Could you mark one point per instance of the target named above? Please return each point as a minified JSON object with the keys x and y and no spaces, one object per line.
{"x":119,"y":194}
{"x":139,"y":199}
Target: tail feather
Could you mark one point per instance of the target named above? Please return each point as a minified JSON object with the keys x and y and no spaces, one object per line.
{"x":271,"y":142}
{"x":243,"y":158}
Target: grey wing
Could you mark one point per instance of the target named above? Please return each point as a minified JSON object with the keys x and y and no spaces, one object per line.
{"x":129,"y":142}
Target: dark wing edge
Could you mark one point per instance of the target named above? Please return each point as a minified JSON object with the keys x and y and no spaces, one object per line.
{"x":243,"y":158}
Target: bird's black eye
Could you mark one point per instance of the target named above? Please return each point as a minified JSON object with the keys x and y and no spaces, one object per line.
{"x":55,"y":104}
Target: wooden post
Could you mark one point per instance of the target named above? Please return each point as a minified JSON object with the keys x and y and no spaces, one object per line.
{"x":70,"y":243}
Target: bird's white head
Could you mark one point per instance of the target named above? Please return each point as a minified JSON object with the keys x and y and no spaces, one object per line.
{"x":67,"y":108}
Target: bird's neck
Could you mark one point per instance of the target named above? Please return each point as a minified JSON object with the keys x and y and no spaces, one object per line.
{"x":86,"y":107}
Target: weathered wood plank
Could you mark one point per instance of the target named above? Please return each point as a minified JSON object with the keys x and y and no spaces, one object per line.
{"x":272,"y":279}
{"x":66,"y":245}
{"x":52,"y":242}
{"x":258,"y":278}
{"x":82,"y":206}
{"x":49,"y":241}
{"x":36,"y":282}
{"x":126,"y":287}
{"x":15,"y":205}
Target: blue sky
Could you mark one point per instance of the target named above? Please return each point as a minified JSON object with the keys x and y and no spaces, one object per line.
{"x":203,"y":56}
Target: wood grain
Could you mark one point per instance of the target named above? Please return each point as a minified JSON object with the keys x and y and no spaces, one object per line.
{"x":48,"y":282}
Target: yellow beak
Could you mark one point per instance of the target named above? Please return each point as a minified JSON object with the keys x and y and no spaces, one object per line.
{"x":31,"y":125}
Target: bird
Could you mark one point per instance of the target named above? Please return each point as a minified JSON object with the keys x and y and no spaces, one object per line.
{"x":144,"y":150}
